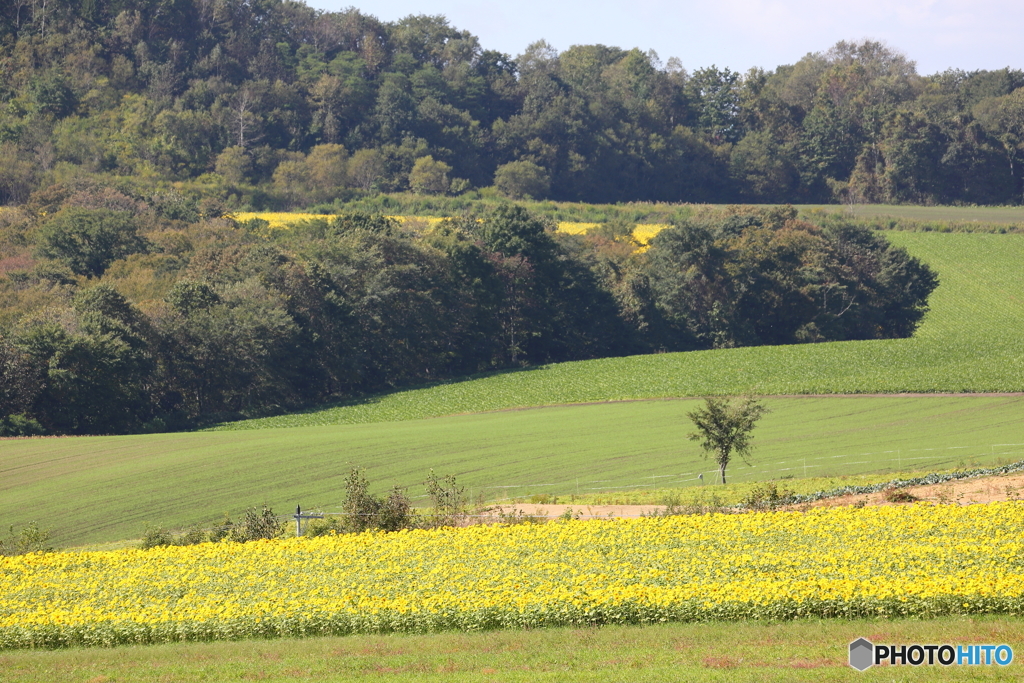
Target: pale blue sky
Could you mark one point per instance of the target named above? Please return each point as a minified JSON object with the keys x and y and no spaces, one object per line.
{"x":739,"y":34}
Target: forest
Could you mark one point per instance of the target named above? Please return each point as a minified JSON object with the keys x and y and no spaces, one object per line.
{"x":271,"y":104}
{"x":126,"y":320}
{"x":131,"y":300}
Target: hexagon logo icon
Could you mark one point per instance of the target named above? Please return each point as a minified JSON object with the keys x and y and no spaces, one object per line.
{"x":862,"y":654}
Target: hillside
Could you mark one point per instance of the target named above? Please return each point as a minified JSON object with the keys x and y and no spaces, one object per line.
{"x":93,"y":489}
{"x":962,"y":346}
{"x":276,"y":104}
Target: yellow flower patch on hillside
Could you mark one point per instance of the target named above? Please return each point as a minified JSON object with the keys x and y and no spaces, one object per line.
{"x":643,"y":233}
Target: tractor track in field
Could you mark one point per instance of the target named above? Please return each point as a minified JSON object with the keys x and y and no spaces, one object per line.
{"x":994,"y":394}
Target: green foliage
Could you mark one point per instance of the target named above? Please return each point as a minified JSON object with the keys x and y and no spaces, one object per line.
{"x":724,"y":428}
{"x":359,"y":506}
{"x":763,"y":277}
{"x":294,"y":117}
{"x":31,"y":539}
{"x":89,"y":240}
{"x":365,"y":511}
{"x":19,"y":425}
{"x":156,"y":537}
{"x":522,"y":180}
{"x":257,"y":524}
{"x":429,"y":176}
{"x":188,"y":296}
{"x":448,"y":501}
{"x":766,"y":496}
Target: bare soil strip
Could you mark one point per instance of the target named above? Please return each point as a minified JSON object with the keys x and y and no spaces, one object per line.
{"x":960,"y":492}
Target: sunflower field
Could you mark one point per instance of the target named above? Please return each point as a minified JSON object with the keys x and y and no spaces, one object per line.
{"x":917,"y":560}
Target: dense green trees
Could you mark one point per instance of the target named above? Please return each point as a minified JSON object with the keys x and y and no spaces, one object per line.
{"x":89,"y":240}
{"x":128,"y":128}
{"x":273,"y":103}
{"x":216,"y":319}
{"x":767,"y":278}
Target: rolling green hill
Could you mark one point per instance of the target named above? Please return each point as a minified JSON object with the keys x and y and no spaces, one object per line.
{"x":96,"y":489}
{"x":93,"y":489}
{"x":970,"y":341}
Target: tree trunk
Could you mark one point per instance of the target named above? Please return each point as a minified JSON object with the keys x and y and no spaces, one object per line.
{"x":721,"y":470}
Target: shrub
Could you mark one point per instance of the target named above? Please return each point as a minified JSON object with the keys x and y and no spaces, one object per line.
{"x":396,"y":511}
{"x":522,"y":180}
{"x":20,"y":425}
{"x":701,"y":504}
{"x":156,"y":537}
{"x":767,"y":496}
{"x":365,"y":511}
{"x":449,"y":501}
{"x":429,"y":176}
{"x":257,"y":525}
{"x":223,"y":530}
{"x":192,"y":536}
{"x":894,"y":494}
{"x":30,"y":539}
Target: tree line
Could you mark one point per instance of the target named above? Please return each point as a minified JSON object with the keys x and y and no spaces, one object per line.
{"x":120,"y":319}
{"x":271,"y":103}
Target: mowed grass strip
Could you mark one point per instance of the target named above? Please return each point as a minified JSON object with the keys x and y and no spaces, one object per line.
{"x":970,"y":341}
{"x":97,"y":489}
{"x":1007,"y":215}
{"x":813,"y":650}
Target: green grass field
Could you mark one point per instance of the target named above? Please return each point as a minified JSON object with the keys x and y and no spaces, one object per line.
{"x":812,"y":650}
{"x":1005,"y":215}
{"x":96,"y":489}
{"x":944,"y":218}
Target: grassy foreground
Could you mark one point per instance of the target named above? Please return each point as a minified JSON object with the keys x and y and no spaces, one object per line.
{"x":812,"y":650}
{"x":94,"y":489}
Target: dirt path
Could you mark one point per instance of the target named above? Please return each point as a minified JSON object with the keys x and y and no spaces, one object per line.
{"x":963,"y":492}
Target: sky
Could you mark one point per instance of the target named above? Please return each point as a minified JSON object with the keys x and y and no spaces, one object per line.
{"x":738,"y":34}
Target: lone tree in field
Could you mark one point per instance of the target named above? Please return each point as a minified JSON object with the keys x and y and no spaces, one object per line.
{"x":724,"y":428}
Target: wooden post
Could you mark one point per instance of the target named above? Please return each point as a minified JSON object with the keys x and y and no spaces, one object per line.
{"x":299,"y":516}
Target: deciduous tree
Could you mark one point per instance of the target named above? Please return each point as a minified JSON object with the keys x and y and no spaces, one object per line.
{"x":724,"y":428}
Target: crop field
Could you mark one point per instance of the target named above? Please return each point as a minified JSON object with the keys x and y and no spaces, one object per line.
{"x":953,"y":566}
{"x":829,"y":562}
{"x":101,"y":489}
{"x":1007,"y":215}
